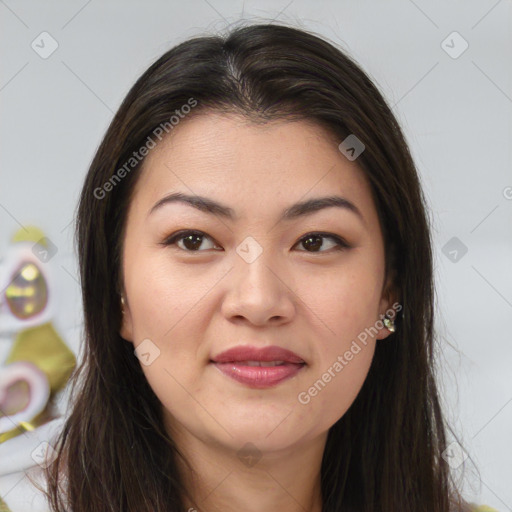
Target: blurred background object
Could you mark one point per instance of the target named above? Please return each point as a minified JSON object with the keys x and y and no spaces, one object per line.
{"x":35,"y":362}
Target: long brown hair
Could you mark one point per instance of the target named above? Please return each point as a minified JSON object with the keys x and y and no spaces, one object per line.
{"x":385,"y":453}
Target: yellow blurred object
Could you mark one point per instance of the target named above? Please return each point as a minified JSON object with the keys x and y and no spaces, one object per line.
{"x":29,"y":234}
{"x":3,"y":506}
{"x":43,"y":346}
{"x":26,"y":426}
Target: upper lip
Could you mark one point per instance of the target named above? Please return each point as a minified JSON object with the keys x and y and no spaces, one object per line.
{"x":250,"y":353}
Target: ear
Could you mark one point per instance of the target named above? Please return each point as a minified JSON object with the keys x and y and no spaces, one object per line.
{"x":126,"y":330}
{"x":389,"y":303}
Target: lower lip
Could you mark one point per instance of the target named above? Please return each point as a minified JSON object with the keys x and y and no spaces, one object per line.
{"x":259,"y":377}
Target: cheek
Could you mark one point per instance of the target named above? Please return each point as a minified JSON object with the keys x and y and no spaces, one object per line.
{"x":335,"y":394}
{"x":164,"y":297}
{"x":168,"y":308}
{"x":345,"y":307}
{"x":343,"y":302}
{"x":336,"y":382}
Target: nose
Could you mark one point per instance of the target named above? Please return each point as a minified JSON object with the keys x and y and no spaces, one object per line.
{"x":259,"y":293}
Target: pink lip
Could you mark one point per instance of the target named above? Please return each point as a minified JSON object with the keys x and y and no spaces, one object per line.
{"x":249,"y":353}
{"x":231,"y":364}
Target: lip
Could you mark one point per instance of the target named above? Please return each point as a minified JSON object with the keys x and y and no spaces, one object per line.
{"x":232,"y":363}
{"x":264,"y":354}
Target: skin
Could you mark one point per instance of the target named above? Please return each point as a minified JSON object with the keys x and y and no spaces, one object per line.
{"x":193,"y":305}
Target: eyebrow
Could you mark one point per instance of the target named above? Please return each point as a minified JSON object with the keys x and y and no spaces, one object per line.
{"x":295,"y":211}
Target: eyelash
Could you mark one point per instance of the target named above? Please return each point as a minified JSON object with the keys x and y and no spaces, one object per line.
{"x":341,"y":244}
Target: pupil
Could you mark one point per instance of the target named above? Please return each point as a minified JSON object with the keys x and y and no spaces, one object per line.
{"x":193,"y":245}
{"x":314,"y":245}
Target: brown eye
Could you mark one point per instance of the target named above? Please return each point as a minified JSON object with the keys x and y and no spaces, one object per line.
{"x":192,"y":240}
{"x":314,"y":241}
{"x":27,"y":295}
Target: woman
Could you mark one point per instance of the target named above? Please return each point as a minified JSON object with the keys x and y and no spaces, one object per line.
{"x":257,"y":280}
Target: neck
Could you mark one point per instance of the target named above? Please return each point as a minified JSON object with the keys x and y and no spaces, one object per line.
{"x":221,"y":479}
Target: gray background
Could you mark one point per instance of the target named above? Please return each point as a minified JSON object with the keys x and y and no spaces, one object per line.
{"x":456,"y":114}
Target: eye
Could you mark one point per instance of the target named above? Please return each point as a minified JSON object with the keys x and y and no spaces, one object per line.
{"x":315,"y":240}
{"x":193,"y":240}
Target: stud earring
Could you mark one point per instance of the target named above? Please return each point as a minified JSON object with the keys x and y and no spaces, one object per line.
{"x":389,"y":323}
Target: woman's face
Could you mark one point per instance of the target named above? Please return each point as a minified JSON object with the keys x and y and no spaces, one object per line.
{"x":252,"y":278}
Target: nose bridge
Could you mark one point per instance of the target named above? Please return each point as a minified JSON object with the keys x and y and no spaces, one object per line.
{"x":257,"y":289}
{"x":256,"y":266}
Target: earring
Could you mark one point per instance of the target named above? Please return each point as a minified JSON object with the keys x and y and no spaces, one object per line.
{"x":122,"y":304}
{"x":389,"y":323}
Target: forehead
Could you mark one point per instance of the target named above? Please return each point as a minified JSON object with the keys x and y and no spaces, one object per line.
{"x":233,"y":159}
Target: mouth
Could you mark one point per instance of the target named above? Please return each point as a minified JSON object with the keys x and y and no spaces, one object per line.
{"x":258,"y":368}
